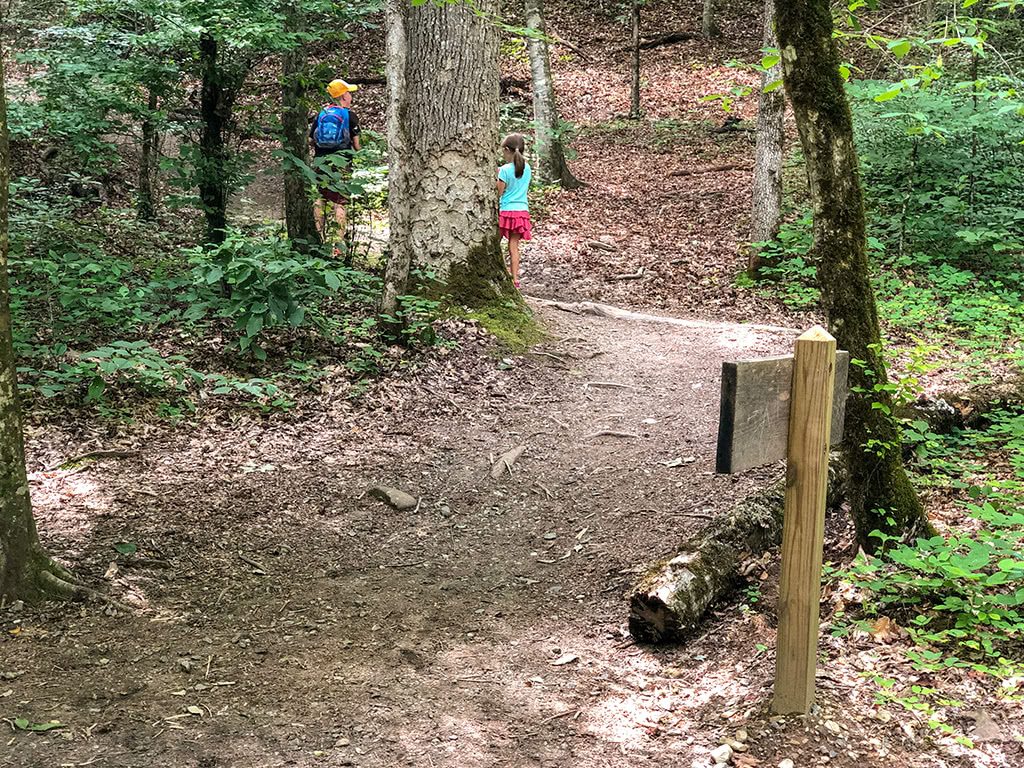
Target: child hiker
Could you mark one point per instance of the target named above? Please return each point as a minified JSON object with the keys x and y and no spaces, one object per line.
{"x":335,"y":131}
{"x":513,"y":211}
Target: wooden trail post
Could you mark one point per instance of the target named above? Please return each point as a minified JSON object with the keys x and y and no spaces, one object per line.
{"x":803,"y":526}
{"x":792,"y":407}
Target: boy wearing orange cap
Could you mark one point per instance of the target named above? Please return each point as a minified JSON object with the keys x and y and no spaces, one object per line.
{"x":335,"y":131}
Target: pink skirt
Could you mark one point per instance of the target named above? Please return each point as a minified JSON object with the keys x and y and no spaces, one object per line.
{"x":514,"y":223}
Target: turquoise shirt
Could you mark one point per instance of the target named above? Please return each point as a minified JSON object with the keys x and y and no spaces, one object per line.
{"x":514,"y":196}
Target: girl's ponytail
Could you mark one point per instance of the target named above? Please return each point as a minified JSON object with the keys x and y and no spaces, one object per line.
{"x":516,"y":144}
{"x":519,"y":162}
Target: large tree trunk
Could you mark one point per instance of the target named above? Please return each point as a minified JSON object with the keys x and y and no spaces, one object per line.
{"x":25,"y":571}
{"x":148,"y":162}
{"x":215,"y":110}
{"x":298,"y":208}
{"x":771,"y":139}
{"x":881,"y":495}
{"x":443,"y":137}
{"x":550,"y":150}
{"x":634,"y":91}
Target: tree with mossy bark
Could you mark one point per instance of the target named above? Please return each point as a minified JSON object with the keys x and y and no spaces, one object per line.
{"x":25,"y":570}
{"x":880,"y":493}
{"x":443,"y":140}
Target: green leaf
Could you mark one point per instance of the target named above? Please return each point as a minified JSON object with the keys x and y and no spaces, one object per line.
{"x":770,"y":61}
{"x":892,"y":93}
{"x":96,"y":387}
{"x":27,"y":725}
{"x":254,"y":325}
{"x":126,"y":547}
{"x":332,"y":280}
{"x":900,"y":48}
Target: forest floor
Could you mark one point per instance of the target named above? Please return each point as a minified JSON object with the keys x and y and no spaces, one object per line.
{"x":282,"y":616}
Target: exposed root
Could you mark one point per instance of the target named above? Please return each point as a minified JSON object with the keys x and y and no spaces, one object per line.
{"x":65,"y":587}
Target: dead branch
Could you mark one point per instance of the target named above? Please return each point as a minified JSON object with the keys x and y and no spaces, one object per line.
{"x":101,"y":454}
{"x":630,"y":276}
{"x":610,"y":433}
{"x":711,"y":169}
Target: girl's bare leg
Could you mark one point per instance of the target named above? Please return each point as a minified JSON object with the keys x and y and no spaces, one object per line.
{"x":513,"y":255}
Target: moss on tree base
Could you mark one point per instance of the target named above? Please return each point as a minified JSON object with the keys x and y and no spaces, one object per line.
{"x":510,"y":321}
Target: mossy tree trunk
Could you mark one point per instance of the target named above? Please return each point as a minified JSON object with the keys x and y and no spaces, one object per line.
{"x":298,"y":207}
{"x":25,"y":571}
{"x":550,"y":149}
{"x":881,"y":495}
{"x":771,"y":137}
{"x":443,"y":139}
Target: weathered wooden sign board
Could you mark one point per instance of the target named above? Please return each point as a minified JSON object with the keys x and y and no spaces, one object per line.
{"x":753,"y":426}
{"x":790,"y":408}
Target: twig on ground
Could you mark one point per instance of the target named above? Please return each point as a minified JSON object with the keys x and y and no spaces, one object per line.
{"x":630,"y":276}
{"x":560,"y":714}
{"x":100,"y":454}
{"x":610,"y":433}
{"x":258,"y":566}
{"x":608,"y":385}
{"x":710,"y":169}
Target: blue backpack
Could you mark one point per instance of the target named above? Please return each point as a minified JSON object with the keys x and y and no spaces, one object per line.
{"x":332,"y":128}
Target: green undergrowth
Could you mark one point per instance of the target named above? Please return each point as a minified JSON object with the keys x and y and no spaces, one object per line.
{"x":958,"y":597}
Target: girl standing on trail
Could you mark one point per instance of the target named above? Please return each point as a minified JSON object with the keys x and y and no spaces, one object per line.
{"x":513,"y":212}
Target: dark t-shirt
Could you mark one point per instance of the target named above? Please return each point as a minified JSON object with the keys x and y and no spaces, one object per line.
{"x":353,"y":128}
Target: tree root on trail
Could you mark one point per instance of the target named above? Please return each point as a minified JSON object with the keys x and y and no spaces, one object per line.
{"x":673,"y":594}
{"x":616,"y":313}
{"x":54,"y":581}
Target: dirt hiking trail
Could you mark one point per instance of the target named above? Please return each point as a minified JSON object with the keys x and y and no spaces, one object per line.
{"x":286,"y":618}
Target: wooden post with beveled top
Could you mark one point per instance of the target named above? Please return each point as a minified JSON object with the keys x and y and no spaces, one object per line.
{"x":810,"y":422}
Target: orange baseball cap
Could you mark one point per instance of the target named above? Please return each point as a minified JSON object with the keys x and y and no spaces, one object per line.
{"x":336,"y":88}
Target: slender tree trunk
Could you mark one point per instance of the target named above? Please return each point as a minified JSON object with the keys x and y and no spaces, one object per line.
{"x":213,"y":171}
{"x":634,"y":92}
{"x":148,"y":162}
{"x":771,"y":138}
{"x":441,"y":179}
{"x":24,"y":568}
{"x":881,"y":495}
{"x":708,"y":27}
{"x":298,"y":207}
{"x":550,"y":150}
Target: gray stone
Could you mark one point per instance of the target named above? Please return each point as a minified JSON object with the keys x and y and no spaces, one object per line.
{"x":722,"y":754}
{"x":393,"y":497}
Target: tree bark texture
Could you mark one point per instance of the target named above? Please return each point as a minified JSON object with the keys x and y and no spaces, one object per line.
{"x":634,"y":91}
{"x":443,"y":138}
{"x":22,"y":561}
{"x":298,"y":207}
{"x":148,"y":163}
{"x":708,"y":26}
{"x":881,"y":496}
{"x":553,"y":168}
{"x":214,"y":174}
{"x":771,"y":139}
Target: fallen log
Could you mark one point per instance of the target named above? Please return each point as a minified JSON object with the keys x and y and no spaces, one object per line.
{"x":668,"y":39}
{"x":673,"y":594}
